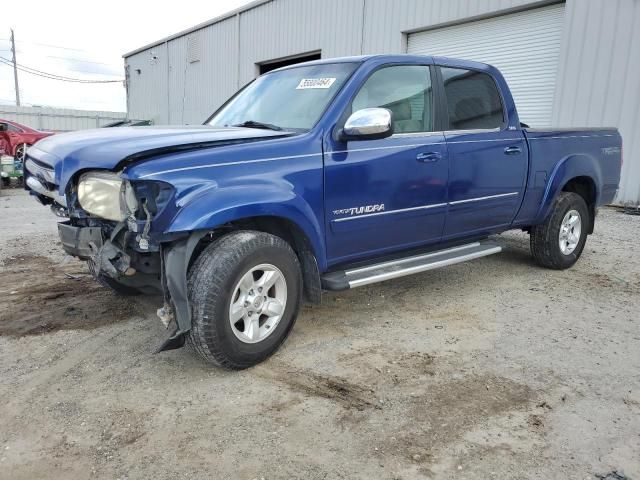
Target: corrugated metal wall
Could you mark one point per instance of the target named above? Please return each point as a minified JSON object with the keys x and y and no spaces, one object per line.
{"x":58,"y":119}
{"x":165,"y":87}
{"x":525,"y":46}
{"x":211,"y":70}
{"x":385,"y":21}
{"x":597,"y":77}
{"x":284,"y":28}
{"x":147,"y":84}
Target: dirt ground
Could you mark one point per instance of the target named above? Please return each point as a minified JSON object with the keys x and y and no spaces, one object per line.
{"x":489,"y":369}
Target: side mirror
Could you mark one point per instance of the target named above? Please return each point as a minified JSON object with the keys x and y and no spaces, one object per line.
{"x":368,"y":124}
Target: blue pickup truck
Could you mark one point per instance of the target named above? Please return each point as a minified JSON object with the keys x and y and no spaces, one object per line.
{"x":326,"y":175}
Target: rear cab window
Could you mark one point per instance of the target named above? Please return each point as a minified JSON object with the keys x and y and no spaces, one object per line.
{"x":472,"y":99}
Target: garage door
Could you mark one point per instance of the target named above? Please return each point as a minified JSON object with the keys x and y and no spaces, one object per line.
{"x":525,"y":46}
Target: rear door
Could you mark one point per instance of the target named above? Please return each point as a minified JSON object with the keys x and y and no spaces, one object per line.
{"x":487,"y":161}
{"x":388,"y":194}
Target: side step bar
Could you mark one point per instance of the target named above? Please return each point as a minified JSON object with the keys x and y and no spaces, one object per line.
{"x":357,"y":277}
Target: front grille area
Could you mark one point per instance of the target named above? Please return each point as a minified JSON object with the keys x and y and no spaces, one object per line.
{"x":40,"y":178}
{"x":44,"y":173}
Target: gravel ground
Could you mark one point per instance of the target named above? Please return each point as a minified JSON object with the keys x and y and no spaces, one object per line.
{"x":489,"y":369}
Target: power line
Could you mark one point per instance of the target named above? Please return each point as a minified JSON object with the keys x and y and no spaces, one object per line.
{"x":51,"y":46}
{"x":52,"y":76}
{"x":70,"y":59}
{"x":55,"y":77}
{"x":81,"y":61}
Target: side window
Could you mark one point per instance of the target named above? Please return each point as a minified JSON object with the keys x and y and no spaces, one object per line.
{"x":403,"y":89}
{"x":473,"y":100}
{"x":12,"y":128}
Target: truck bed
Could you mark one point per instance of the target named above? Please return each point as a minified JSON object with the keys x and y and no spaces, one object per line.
{"x":560,"y":152}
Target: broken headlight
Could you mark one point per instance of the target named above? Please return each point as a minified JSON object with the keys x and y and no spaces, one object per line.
{"x":128,"y":200}
{"x":106,"y":195}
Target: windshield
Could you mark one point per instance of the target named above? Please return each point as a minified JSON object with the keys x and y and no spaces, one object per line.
{"x":292,"y":99}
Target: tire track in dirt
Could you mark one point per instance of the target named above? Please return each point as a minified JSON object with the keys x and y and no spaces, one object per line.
{"x":337,"y":389}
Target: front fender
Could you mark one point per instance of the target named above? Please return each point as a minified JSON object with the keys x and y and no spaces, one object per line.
{"x":570,"y":167}
{"x":213,"y":207}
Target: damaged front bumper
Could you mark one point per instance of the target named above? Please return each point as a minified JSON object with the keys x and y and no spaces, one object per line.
{"x":78,"y":241}
{"x":162,"y":268}
{"x":108,"y":256}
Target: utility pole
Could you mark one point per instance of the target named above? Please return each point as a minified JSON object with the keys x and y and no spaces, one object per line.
{"x":15,"y":69}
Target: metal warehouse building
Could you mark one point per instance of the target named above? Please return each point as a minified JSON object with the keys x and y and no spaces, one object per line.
{"x":573,"y":63}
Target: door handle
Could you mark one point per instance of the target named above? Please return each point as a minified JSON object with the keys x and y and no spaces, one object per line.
{"x":512,"y":150}
{"x":428,"y":157}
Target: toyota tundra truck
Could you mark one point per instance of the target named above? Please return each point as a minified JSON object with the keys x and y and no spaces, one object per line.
{"x":321,"y":176}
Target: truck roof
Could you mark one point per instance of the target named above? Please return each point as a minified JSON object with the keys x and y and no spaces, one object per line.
{"x":395,"y":58}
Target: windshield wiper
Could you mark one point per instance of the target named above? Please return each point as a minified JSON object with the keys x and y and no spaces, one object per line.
{"x":254,"y":124}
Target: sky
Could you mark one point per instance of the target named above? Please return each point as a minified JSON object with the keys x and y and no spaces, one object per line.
{"x":86,"y":40}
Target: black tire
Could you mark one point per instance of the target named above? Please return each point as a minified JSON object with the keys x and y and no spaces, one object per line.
{"x":112,"y":284}
{"x":544,"y":240}
{"x":212,"y":279}
{"x":20,"y":152}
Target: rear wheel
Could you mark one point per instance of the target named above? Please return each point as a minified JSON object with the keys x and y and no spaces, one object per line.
{"x":559,"y":241}
{"x":244,"y":293}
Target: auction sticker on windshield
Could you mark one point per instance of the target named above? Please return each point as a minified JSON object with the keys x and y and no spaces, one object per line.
{"x":315,"y":83}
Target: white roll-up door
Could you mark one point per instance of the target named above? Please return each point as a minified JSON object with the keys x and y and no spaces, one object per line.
{"x":525,"y":46}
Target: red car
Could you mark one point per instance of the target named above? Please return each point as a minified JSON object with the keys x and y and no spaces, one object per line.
{"x":15,"y":138}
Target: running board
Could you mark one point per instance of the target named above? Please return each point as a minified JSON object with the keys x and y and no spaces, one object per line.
{"x":357,"y":277}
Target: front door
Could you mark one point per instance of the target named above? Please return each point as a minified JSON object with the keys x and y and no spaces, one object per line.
{"x":389,"y":194}
{"x":487,"y":162}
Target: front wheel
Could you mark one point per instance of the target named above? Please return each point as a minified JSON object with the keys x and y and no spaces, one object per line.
{"x":559,"y":241}
{"x":244,"y":292}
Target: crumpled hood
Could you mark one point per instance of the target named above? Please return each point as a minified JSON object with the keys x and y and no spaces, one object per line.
{"x":105,"y":148}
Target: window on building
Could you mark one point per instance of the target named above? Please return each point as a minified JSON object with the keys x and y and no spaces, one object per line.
{"x":403,"y":89}
{"x":473,"y":100}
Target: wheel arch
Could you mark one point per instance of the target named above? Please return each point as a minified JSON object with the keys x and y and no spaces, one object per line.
{"x":284,"y":228}
{"x":584,"y":186}
{"x":209,"y":208}
{"x":580,"y":174}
